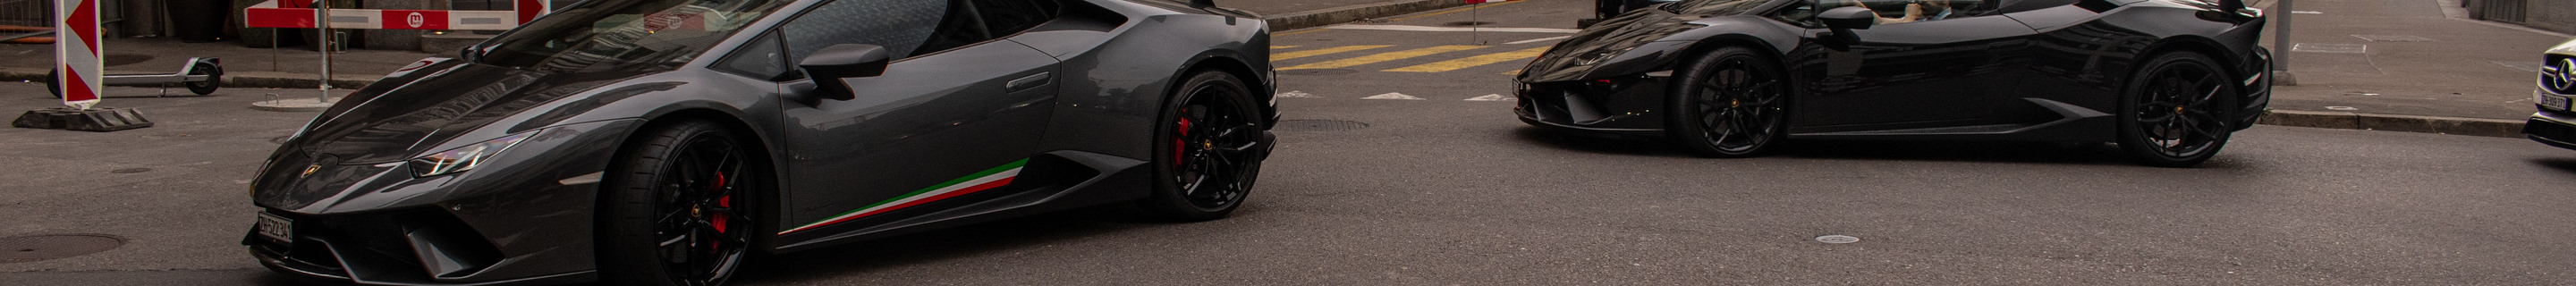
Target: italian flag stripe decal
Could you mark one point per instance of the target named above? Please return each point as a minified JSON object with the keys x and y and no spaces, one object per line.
{"x":980,"y":181}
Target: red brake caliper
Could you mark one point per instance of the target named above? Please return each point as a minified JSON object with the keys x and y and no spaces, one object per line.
{"x":725,"y":201}
{"x":1176,"y":140}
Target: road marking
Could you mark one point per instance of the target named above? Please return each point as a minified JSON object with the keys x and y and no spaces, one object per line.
{"x":2306,"y":12}
{"x":1538,"y":40}
{"x":1323,"y":51}
{"x":1513,"y":72}
{"x":1468,"y":62}
{"x":1450,"y":29}
{"x":1405,"y":18}
{"x":1393,"y":96}
{"x":1281,"y":47}
{"x":1387,"y":56}
{"x":1297,"y":94}
{"x":1492,"y":97}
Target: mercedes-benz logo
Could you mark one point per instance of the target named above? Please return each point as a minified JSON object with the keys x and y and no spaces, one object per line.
{"x":2562,"y":76}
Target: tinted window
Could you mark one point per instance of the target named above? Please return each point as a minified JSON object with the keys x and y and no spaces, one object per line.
{"x":1012,"y":16}
{"x":645,"y":35}
{"x":759,"y":59}
{"x":901,"y":26}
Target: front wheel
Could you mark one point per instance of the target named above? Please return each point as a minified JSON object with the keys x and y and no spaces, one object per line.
{"x":677,"y":207}
{"x":1729,"y":103}
{"x":2175,"y":111}
{"x":1209,"y":145}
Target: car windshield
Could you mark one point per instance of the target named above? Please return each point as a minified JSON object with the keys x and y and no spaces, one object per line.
{"x":1711,"y":7}
{"x":630,"y":35}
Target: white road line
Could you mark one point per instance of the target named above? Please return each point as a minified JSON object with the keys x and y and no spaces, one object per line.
{"x":1538,"y":40}
{"x":1449,"y":29}
{"x":1492,"y":97}
{"x":1394,"y":96}
{"x":1297,"y":94}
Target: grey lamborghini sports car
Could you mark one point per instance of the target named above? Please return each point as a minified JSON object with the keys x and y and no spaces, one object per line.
{"x":2169,"y":80}
{"x":658,"y":142}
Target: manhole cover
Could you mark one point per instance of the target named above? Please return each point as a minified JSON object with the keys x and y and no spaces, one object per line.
{"x":1837,"y":239}
{"x":1319,"y":125}
{"x":54,"y":246}
{"x":1318,"y":72}
{"x":2392,"y":38}
{"x":123,"y":59}
{"x":2331,"y":48}
{"x":130,"y":170}
{"x":1466,"y":23}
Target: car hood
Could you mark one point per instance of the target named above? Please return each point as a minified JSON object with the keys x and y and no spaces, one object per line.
{"x":431,"y":103}
{"x":1611,"y":40}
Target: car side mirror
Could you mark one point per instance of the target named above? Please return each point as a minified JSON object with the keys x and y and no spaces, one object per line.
{"x":1851,"y":18}
{"x":1843,"y":20}
{"x":830,"y":65}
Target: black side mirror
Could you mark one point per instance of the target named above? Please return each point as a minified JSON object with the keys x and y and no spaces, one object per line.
{"x":834,"y":63}
{"x":1843,"y":20}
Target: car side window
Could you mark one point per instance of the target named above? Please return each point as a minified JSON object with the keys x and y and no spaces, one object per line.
{"x":761,"y":58}
{"x":901,"y":26}
{"x":1890,"y":11}
{"x":1007,"y":17}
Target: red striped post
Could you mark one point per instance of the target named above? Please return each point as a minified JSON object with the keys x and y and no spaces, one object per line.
{"x":76,"y":52}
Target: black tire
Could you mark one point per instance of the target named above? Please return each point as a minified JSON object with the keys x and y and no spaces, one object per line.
{"x":670,"y":215}
{"x":53,"y":83}
{"x":1729,"y":103}
{"x":214,"y":79}
{"x":2174,"y":112}
{"x":1208,"y":149}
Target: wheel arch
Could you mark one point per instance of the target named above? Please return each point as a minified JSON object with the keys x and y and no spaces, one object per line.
{"x":2194,"y":44}
{"x":1230,"y":63}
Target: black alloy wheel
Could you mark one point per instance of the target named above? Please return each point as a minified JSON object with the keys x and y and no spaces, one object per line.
{"x":679,"y":210}
{"x":1729,"y":103}
{"x":1208,"y":149}
{"x":214,"y":78}
{"x":2175,"y":111}
{"x":53,"y":83}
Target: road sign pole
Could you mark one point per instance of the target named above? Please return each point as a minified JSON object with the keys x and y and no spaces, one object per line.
{"x":2281,"y":44}
{"x":322,"y":22}
{"x":76,"y":52}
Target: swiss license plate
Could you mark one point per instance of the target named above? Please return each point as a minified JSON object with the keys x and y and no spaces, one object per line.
{"x":276,"y":228}
{"x":2553,"y":102}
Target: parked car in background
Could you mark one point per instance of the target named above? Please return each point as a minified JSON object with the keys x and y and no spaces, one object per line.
{"x":2168,"y":80}
{"x":661,"y":142}
{"x":2555,"y":123}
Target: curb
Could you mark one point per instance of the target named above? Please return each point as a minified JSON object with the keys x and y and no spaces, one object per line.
{"x":1346,"y":14}
{"x":237,"y":79}
{"x":2391,"y":122}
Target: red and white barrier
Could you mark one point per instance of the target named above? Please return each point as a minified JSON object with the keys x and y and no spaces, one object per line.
{"x":76,"y":52}
{"x":299,"y":14}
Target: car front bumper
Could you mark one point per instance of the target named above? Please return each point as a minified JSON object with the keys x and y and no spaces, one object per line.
{"x":1625,"y":106}
{"x":2556,"y":128}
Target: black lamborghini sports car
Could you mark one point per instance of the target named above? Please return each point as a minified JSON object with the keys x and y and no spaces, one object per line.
{"x":658,"y":142}
{"x":2168,"y":80}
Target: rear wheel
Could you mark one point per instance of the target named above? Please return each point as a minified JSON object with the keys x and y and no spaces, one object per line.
{"x":677,"y":208}
{"x":1729,"y":103}
{"x":53,"y":83}
{"x":2174,"y":112}
{"x":214,"y":78}
{"x":1208,"y":149}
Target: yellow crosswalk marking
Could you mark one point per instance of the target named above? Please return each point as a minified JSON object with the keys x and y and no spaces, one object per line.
{"x":1281,"y":47}
{"x":1486,"y":59}
{"x":1380,"y":57}
{"x":1323,"y":51}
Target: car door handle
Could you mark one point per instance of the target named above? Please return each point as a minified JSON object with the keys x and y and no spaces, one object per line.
{"x":1027,"y":82}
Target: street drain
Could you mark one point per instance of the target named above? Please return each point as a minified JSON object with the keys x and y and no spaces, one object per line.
{"x":1319,"y":125}
{"x":54,"y":246}
{"x":1466,"y":23}
{"x":130,"y":170}
{"x":1318,"y":72}
{"x":1837,"y":239}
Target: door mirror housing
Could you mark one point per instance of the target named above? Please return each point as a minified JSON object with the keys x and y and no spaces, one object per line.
{"x":1848,"y":18}
{"x":830,"y":65}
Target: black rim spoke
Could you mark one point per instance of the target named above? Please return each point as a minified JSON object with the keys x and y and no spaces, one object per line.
{"x":703,"y":236}
{"x":1215,"y":145}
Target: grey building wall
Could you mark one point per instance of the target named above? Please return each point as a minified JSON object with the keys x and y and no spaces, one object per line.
{"x":2554,"y":15}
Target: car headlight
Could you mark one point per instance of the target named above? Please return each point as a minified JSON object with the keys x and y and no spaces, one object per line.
{"x":464,"y":158}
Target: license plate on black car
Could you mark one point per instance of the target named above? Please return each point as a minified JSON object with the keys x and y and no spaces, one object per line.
{"x":2553,"y":102}
{"x":276,"y":228}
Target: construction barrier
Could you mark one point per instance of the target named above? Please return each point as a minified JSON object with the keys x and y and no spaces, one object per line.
{"x":300,"y":14}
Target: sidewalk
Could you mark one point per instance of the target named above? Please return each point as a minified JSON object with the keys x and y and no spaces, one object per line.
{"x":2405,"y":65}
{"x":298,"y":67}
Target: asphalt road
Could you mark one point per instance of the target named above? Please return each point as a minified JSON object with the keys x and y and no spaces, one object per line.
{"x":1443,"y":190}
